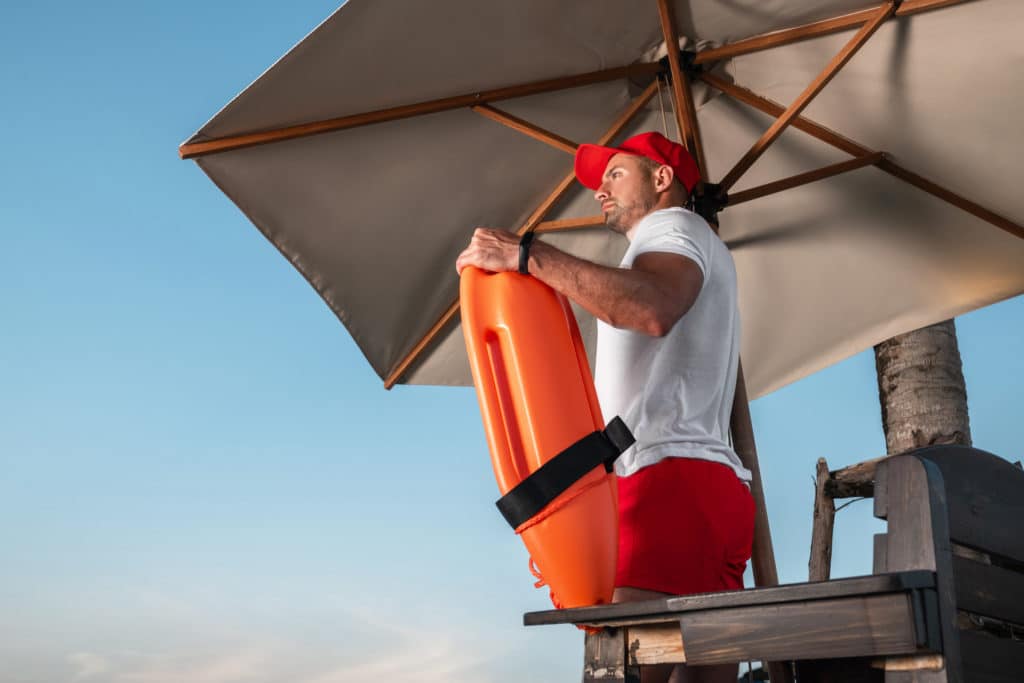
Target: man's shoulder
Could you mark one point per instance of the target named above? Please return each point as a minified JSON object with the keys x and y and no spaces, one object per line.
{"x":678,"y":220}
{"x":677,"y":217}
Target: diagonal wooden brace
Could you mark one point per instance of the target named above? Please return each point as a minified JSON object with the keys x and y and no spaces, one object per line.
{"x":858,"y":150}
{"x":805,"y":98}
{"x":535,"y":218}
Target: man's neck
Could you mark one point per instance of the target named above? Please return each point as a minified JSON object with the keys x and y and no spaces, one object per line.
{"x":665,"y":201}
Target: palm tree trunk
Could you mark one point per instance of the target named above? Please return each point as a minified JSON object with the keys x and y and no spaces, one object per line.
{"x":921,"y":389}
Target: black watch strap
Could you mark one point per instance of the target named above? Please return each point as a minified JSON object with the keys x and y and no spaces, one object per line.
{"x":524,"y":252}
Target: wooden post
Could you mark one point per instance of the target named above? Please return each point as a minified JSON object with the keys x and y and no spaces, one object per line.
{"x":820,"y":564}
{"x":763,"y":557}
{"x":854,"y":481}
{"x":605,"y":660}
{"x":914,"y":504}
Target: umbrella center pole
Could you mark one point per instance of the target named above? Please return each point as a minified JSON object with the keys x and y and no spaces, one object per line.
{"x":708,"y":198}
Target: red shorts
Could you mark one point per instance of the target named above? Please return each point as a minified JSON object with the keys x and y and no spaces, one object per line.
{"x":685,"y":526}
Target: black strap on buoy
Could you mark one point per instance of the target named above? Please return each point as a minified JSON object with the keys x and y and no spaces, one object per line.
{"x":551,"y":479}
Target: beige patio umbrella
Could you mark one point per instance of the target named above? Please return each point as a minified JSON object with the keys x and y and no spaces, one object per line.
{"x":372,"y":149}
{"x":369,"y":152}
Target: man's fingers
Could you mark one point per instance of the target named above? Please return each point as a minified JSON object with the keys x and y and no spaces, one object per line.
{"x":469,"y":257}
{"x":487,"y":249}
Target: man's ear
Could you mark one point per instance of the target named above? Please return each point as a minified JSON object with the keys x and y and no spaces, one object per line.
{"x":663,"y":177}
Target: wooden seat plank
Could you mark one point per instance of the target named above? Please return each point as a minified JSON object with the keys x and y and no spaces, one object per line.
{"x":666,"y":609}
{"x":873,"y":625}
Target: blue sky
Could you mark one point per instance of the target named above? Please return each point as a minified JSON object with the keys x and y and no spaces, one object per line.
{"x":200,"y":477}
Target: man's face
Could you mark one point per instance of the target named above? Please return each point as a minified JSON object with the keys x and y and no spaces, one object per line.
{"x":627,"y":191}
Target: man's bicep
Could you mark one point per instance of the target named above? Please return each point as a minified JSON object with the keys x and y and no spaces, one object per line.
{"x":677,"y":279}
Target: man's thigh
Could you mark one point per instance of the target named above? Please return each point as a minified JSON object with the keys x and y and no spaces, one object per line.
{"x":685,"y":527}
{"x":630,"y":594}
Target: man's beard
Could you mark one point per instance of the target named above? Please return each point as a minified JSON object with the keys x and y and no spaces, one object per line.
{"x":621,"y":219}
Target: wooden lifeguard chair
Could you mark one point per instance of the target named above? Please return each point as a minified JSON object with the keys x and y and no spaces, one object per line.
{"x":944,"y":604}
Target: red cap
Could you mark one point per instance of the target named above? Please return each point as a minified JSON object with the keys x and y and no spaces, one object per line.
{"x":592,"y":160}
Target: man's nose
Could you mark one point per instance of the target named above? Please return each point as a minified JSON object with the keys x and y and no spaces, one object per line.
{"x":601,"y":194}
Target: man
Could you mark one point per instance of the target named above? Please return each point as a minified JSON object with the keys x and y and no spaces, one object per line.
{"x":667,"y":356}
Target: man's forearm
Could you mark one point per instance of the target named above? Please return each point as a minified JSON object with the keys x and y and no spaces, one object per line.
{"x":649,"y":297}
{"x":618,"y":296}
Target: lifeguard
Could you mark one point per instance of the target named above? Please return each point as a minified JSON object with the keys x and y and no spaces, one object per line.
{"x":667,"y":356}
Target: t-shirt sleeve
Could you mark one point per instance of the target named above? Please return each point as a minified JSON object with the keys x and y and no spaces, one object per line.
{"x":682,"y":235}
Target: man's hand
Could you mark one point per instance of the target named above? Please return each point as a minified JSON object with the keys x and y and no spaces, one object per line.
{"x":492,"y":250}
{"x":649,"y":298}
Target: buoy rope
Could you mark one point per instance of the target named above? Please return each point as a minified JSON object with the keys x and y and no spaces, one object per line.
{"x":556,"y":505}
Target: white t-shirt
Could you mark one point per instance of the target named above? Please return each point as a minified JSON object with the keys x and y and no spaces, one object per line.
{"x":675,"y":392}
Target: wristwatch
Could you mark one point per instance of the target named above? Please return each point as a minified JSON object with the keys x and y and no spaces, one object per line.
{"x":524,"y":252}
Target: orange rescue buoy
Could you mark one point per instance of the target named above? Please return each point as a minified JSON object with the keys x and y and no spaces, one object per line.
{"x":537,"y":399}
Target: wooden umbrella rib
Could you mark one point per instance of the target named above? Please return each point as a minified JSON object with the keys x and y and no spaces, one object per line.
{"x":526,"y":128}
{"x":567,"y":224}
{"x":837,"y":62}
{"x":690,"y":112}
{"x":805,"y":178}
{"x":227,"y":143}
{"x":686,"y":114}
{"x":224,"y":144}
{"x":915,"y":6}
{"x":549,"y":202}
{"x":785,"y":36}
{"x":951,"y":197}
{"x":531,"y":223}
{"x":814,"y":30}
{"x":847,"y":145}
{"x":772,"y":108}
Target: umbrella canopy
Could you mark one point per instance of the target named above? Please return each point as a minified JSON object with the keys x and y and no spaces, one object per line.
{"x":371,"y":150}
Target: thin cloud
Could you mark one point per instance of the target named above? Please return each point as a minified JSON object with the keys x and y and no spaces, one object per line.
{"x":433,"y":660}
{"x":87,"y":665}
{"x":399,"y":653}
{"x":247,"y":664}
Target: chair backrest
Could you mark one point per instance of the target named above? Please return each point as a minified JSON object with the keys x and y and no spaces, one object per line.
{"x":959,"y":512}
{"x":985,"y":505}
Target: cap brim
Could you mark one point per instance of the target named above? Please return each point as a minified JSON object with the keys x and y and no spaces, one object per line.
{"x":591,"y":160}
